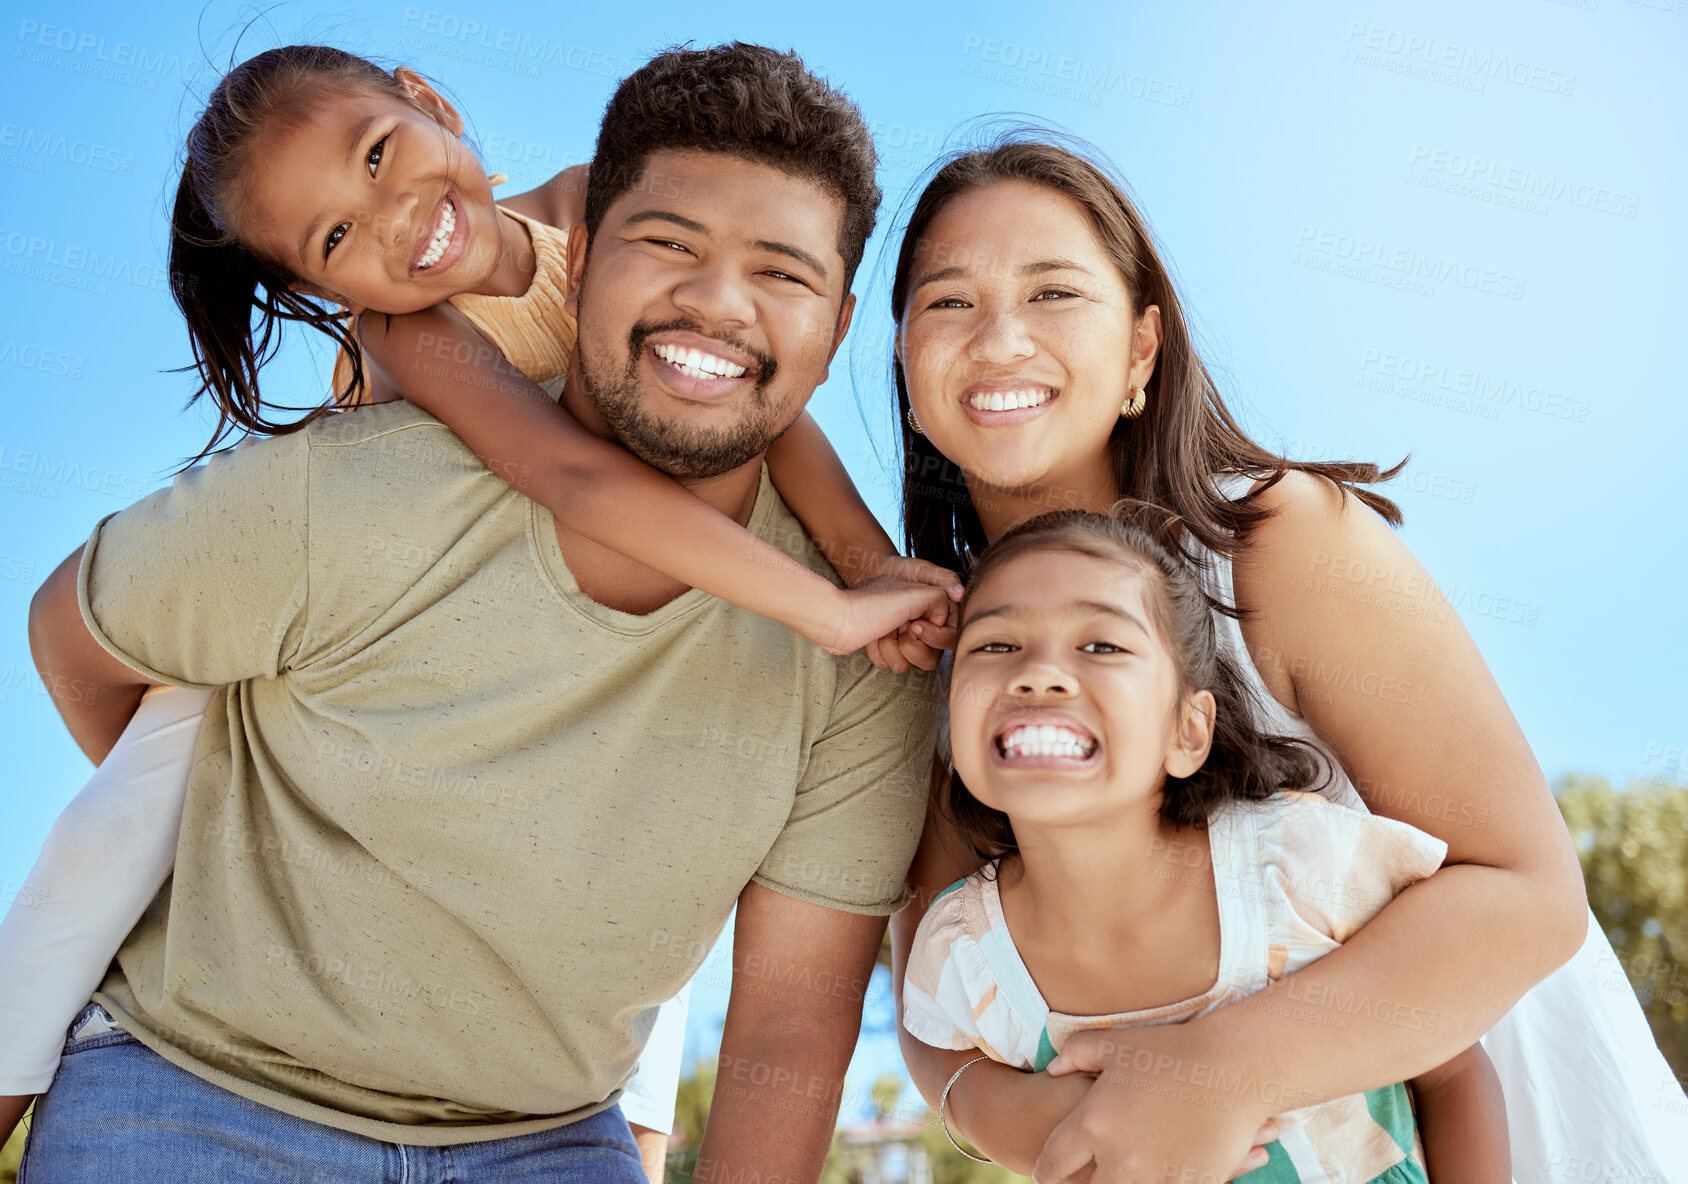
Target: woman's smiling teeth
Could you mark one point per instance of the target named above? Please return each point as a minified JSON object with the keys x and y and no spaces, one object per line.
{"x":1045,"y":740}
{"x":696,"y":363}
{"x":1010,"y":400}
{"x":442,"y":236}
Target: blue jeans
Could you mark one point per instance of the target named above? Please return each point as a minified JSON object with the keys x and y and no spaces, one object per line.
{"x":118,"y":1113}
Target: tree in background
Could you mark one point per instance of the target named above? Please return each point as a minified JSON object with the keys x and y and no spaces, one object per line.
{"x":1634,"y":850}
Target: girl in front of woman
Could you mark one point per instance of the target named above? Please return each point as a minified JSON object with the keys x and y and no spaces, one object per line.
{"x":1152,"y":855}
{"x":1043,"y":361}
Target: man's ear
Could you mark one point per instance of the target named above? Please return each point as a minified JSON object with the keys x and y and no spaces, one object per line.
{"x":429,"y":100}
{"x":845,"y":312}
{"x":576,"y":266}
{"x":1194,"y":738}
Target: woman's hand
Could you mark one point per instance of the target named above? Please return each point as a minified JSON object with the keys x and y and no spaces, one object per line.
{"x":1160,"y":1109}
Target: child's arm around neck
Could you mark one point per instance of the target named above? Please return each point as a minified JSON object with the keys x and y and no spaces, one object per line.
{"x":606,"y":494}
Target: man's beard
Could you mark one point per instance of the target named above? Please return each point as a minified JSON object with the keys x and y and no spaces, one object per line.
{"x":682,"y":450}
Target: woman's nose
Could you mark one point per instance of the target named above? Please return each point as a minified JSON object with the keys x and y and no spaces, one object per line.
{"x":1001,"y":339}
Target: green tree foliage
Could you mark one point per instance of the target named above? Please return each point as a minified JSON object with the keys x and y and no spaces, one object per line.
{"x":1634,"y":850}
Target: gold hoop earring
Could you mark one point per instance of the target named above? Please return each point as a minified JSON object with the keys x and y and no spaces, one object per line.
{"x":914,"y":424}
{"x":496,"y":179}
{"x":1133,"y":406}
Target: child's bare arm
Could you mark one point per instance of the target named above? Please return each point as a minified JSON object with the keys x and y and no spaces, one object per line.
{"x":812,"y":480}
{"x":1462,"y":1120}
{"x":557,"y":202}
{"x":610,"y":496}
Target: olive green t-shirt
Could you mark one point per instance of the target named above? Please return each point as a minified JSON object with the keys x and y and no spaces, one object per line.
{"x":454,"y":830}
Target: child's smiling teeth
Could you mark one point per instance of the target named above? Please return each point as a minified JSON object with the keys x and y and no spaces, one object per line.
{"x":1010,"y":400}
{"x":1045,"y":740}
{"x":442,"y":237}
{"x":697,"y":364}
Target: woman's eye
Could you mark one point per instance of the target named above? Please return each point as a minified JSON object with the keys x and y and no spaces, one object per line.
{"x":1054,"y":293}
{"x":334,"y":237}
{"x":950,"y":302}
{"x":375,"y":151}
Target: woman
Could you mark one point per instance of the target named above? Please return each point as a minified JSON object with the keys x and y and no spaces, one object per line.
{"x":1043,"y":361}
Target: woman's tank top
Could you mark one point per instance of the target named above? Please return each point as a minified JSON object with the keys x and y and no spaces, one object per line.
{"x":1272,"y":716}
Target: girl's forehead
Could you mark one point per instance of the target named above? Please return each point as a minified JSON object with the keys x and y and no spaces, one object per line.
{"x":1044,"y":583}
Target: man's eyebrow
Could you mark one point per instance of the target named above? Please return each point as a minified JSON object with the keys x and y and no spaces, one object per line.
{"x":667,"y":216}
{"x":359,"y":129}
{"x":1035,"y":268}
{"x":1073,"y":607}
{"x":792,"y":252}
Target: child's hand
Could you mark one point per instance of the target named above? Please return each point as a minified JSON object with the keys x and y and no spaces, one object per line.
{"x":902,"y":619}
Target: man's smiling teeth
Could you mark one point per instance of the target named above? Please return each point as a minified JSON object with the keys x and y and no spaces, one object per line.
{"x":697,"y":363}
{"x":442,"y":237}
{"x":1046,"y":740}
{"x":1010,"y":400}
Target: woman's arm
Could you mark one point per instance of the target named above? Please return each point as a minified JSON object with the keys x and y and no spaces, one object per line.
{"x":1350,"y":631}
{"x":1462,"y":1121}
{"x":605,"y":493}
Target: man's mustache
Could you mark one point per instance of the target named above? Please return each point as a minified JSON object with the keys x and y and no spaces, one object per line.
{"x":644,"y":330}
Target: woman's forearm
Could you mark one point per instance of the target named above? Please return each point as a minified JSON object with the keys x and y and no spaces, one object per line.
{"x":1423,"y":980}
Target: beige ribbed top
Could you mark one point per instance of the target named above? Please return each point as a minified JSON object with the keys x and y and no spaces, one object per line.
{"x":533,"y":331}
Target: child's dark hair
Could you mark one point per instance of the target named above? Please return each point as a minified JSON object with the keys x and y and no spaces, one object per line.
{"x":217,"y":281}
{"x":1243,"y":764}
{"x":747,"y":101}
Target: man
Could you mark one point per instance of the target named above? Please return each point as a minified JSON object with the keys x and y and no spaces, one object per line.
{"x":482,"y":793}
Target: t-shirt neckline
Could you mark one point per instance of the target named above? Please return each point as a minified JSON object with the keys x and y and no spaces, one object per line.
{"x":542,"y":538}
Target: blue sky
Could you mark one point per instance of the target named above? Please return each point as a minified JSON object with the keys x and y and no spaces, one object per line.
{"x":1435,"y":228}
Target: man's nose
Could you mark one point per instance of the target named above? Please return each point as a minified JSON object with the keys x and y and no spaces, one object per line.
{"x":716,"y":295}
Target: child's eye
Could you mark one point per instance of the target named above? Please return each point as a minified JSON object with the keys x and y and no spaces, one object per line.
{"x":1102,"y":647}
{"x":334,"y":237}
{"x":994,"y":647}
{"x":375,"y":151}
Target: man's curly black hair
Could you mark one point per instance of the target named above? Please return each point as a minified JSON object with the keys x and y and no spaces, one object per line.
{"x":747,"y":101}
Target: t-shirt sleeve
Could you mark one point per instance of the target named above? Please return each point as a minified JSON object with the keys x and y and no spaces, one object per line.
{"x":938,"y":986}
{"x":204,"y":583}
{"x":1338,"y":867}
{"x":860,"y":803}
